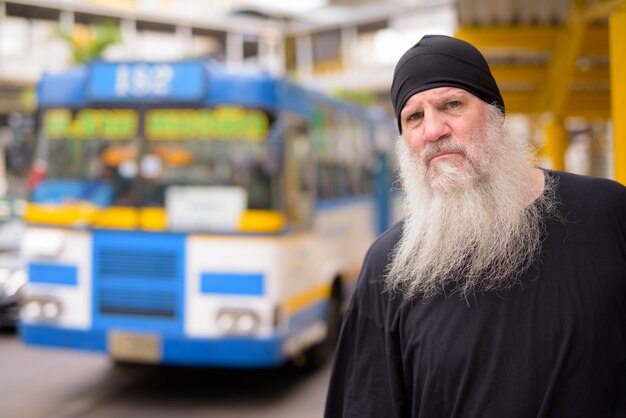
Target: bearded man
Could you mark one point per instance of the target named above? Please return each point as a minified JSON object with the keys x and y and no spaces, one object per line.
{"x":503,"y":291}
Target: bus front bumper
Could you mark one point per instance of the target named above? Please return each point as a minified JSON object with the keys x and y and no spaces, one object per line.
{"x":165,"y":349}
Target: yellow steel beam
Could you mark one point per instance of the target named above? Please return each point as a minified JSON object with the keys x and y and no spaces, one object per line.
{"x":557,"y":84}
{"x":553,"y":81}
{"x":510,"y":73}
{"x":595,"y":42}
{"x":586,"y":104}
{"x":531,"y":38}
{"x":522,"y":37}
{"x":555,"y":143}
{"x":518,"y":101}
{"x":589,"y":105}
{"x":617,"y":30}
{"x":548,"y":88}
{"x":593,"y":75}
{"x":536,"y":74}
{"x":602,"y":9}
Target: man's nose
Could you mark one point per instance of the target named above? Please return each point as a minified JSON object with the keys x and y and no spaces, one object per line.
{"x":435,"y":126}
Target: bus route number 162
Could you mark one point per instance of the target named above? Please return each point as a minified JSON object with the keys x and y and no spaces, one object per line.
{"x":143,"y":80}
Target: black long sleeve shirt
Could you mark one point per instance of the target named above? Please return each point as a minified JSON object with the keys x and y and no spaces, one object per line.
{"x":553,"y":346}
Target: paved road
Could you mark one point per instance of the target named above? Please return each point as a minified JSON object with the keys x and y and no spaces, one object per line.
{"x":41,"y":383}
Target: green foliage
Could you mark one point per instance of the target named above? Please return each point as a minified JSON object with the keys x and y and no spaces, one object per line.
{"x":89,"y":42}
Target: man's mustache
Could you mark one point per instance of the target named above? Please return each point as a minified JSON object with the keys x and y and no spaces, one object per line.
{"x":434,"y":149}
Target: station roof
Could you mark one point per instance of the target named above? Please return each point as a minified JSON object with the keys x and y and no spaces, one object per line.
{"x":548,"y":56}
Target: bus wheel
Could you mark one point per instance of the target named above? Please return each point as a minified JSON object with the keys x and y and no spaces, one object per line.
{"x":319,"y":354}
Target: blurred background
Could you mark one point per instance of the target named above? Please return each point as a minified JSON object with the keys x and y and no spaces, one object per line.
{"x":560,"y":65}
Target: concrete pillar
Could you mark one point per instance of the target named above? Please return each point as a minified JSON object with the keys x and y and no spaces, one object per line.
{"x":66,"y":21}
{"x":128,"y":29}
{"x":349,"y":37}
{"x":304,"y":56}
{"x":272,"y":50}
{"x":234,"y":48}
{"x":184,"y":36}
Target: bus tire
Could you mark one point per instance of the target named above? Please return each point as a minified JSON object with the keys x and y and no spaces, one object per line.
{"x":320,"y":353}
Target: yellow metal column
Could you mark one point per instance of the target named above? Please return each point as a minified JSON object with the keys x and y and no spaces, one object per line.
{"x":555,"y":143}
{"x":617,"y":35}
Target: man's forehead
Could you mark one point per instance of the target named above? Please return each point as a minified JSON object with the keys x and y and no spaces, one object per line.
{"x":436,"y":93}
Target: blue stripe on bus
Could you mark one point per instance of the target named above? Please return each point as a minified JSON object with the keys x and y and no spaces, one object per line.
{"x":228,"y":351}
{"x":231,"y":351}
{"x":53,"y":336}
{"x":52,"y":274}
{"x":232,"y":283}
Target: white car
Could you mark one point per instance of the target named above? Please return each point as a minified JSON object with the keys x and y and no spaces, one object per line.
{"x":12,"y":272}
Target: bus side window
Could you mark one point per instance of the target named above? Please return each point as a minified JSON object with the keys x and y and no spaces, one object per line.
{"x":325,"y":180}
{"x":298,"y":176}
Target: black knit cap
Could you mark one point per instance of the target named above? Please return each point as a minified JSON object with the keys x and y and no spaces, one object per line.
{"x":442,"y":61}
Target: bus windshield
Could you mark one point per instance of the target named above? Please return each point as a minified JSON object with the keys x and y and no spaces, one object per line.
{"x":108,"y":158}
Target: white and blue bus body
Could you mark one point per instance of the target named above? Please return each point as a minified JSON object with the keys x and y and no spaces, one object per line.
{"x":184,"y":213}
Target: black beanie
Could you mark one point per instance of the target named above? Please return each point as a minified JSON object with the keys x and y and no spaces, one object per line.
{"x":442,"y":61}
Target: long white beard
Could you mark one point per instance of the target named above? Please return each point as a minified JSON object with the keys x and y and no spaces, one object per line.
{"x":468,"y":224}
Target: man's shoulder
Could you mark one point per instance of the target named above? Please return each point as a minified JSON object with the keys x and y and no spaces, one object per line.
{"x":388,"y":239}
{"x":379,"y":255}
{"x":580,"y":183}
{"x":371,"y":297}
{"x":595,"y":190}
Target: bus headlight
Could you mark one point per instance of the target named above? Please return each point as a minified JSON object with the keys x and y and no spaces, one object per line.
{"x":32,"y":309}
{"x":238,"y":321}
{"x":41,"y":308}
{"x":50,"y":310}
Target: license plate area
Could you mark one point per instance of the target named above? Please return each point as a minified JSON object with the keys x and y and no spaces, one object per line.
{"x":135,"y":347}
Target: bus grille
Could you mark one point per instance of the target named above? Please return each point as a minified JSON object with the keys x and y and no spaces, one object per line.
{"x":138,"y":264}
{"x":137,"y":303}
{"x":138,"y":282}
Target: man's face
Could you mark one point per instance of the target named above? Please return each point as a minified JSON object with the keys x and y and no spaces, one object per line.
{"x":438,"y":125}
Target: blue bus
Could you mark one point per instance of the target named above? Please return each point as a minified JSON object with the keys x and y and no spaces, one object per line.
{"x":187,"y":213}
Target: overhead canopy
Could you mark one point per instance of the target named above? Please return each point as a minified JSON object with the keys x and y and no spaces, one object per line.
{"x":548,"y":56}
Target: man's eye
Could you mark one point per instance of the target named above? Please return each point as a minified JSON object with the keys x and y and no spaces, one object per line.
{"x":415,"y":116}
{"x":453,"y":104}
